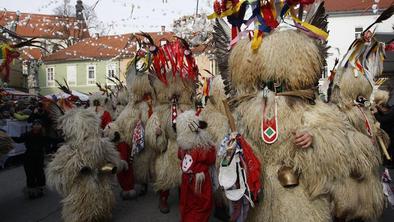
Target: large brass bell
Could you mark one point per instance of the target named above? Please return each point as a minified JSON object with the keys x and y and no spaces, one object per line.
{"x":108,"y":168}
{"x":287,"y":177}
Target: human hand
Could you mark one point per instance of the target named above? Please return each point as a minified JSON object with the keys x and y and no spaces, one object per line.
{"x":303,"y":139}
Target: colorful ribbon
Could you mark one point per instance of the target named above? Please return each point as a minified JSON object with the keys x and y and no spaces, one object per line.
{"x":8,"y":54}
{"x":311,"y":28}
{"x":225,"y":9}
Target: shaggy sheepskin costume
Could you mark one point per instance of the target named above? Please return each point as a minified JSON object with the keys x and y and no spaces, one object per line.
{"x":177,"y":93}
{"x":121,"y":101}
{"x":214,"y":112}
{"x":348,"y":90}
{"x":140,"y":108}
{"x":167,"y":176}
{"x":381,"y":97}
{"x":75,"y":170}
{"x":102,"y":106}
{"x":294,"y":61}
{"x":197,"y":153}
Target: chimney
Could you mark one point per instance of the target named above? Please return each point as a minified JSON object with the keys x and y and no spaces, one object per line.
{"x":163,"y":28}
{"x":96,"y":35}
{"x":79,"y":10}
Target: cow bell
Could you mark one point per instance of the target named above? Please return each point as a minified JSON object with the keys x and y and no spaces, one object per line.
{"x":287,"y":177}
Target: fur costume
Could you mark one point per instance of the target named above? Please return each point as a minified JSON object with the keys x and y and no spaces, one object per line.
{"x":293,"y":61}
{"x":214,"y":112}
{"x":381,"y":97}
{"x":75,"y":170}
{"x":348,"y":88}
{"x":140,"y":107}
{"x":121,"y":101}
{"x":197,"y":153}
{"x":167,"y":176}
{"x":102,"y":106}
{"x":175,"y":75}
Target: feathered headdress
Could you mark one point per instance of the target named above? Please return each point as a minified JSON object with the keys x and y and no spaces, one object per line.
{"x":265,"y":19}
{"x":366,"y":54}
{"x":175,"y":56}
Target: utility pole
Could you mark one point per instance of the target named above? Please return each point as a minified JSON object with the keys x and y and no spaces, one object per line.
{"x":197,"y":8}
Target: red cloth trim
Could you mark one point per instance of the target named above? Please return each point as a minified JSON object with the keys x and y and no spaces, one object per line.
{"x":253,"y":166}
{"x":105,"y":119}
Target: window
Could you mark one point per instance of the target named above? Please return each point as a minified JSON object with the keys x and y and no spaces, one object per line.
{"x":91,"y":74}
{"x":111,"y":73}
{"x":358,"y":31}
{"x":72,"y":75}
{"x":50,"y":76}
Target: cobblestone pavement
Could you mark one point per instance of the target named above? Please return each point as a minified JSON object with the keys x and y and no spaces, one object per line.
{"x":15,"y":208}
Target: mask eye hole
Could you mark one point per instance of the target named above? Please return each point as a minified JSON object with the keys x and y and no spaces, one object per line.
{"x":202,"y":124}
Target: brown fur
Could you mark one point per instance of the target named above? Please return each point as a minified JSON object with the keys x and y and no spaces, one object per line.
{"x":63,"y":171}
{"x":338,"y":153}
{"x":347,"y":87}
{"x":214,"y":112}
{"x":286,"y":56}
{"x":138,"y":85}
{"x":349,"y":193}
{"x":328,"y":159}
{"x":167,"y":164}
{"x":381,"y":97}
{"x":167,"y":168}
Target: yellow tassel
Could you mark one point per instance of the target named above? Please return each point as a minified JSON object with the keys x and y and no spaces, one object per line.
{"x":257,"y":39}
{"x":308,"y":26}
{"x":228,"y":12}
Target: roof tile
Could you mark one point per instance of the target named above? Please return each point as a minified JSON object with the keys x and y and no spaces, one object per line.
{"x":44,"y":26}
{"x":103,"y":47}
{"x":354,"y":5}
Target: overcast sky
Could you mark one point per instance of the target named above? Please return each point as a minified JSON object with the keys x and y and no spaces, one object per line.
{"x":148,"y":15}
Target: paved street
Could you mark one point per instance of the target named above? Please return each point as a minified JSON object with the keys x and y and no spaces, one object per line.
{"x":15,"y":208}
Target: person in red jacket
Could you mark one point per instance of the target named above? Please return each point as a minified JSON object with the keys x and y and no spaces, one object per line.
{"x":197,"y":154}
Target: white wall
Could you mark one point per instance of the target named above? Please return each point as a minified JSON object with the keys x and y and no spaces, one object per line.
{"x":342,"y":32}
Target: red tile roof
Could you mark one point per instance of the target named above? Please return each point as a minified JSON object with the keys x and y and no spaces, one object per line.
{"x":44,"y":26}
{"x":354,"y":5}
{"x":103,"y":47}
{"x":31,"y":53}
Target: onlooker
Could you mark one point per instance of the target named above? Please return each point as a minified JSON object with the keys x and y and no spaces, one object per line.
{"x":35,"y":142}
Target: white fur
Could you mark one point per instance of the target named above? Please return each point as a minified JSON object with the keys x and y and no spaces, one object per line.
{"x":186,"y":138}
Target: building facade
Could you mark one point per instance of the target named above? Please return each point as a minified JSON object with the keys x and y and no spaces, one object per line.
{"x":348,"y":19}
{"x":91,"y":60}
{"x":53,"y":32}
